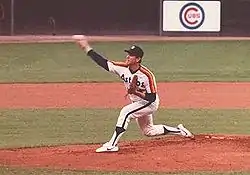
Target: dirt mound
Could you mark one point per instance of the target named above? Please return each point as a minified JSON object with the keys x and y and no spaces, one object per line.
{"x":165,"y":154}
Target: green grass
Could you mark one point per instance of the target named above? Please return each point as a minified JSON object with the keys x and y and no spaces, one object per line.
{"x":28,"y":128}
{"x":19,"y":171}
{"x":21,"y":128}
{"x":171,"y":61}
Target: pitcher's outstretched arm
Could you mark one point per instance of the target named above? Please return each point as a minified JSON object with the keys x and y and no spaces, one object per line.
{"x":99,"y":59}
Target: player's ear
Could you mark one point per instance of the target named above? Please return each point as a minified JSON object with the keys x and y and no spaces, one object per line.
{"x":138,"y":59}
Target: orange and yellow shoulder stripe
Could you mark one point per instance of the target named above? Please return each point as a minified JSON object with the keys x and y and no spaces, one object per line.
{"x":151,"y":79}
{"x":117,"y":63}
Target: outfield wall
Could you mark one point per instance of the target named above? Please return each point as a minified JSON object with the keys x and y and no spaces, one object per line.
{"x":94,"y":17}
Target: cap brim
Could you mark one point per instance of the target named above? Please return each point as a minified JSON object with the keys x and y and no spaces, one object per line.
{"x":130,"y":52}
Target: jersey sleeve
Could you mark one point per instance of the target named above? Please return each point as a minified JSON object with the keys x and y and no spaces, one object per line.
{"x":150,"y":83}
{"x":116,"y":67}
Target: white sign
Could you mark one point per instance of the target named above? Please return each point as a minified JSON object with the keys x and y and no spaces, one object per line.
{"x":191,"y":16}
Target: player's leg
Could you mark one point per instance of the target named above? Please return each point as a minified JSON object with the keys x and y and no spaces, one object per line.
{"x":149,"y":129}
{"x":126,"y":114}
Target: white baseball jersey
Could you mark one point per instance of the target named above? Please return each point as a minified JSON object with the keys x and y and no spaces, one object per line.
{"x":146,"y":79}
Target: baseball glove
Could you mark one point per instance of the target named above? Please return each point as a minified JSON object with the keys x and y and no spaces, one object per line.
{"x":133,"y":85}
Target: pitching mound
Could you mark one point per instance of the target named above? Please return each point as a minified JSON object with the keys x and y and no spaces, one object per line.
{"x":166,"y":154}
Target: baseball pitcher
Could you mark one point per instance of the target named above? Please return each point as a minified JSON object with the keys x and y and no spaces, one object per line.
{"x":142,"y":91}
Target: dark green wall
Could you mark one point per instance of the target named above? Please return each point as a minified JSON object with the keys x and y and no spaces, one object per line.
{"x":108,"y":17}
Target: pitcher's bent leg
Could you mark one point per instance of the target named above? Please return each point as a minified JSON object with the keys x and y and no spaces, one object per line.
{"x":149,"y":129}
{"x":127,"y":113}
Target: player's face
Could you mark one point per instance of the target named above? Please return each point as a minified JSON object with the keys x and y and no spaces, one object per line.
{"x":131,"y":60}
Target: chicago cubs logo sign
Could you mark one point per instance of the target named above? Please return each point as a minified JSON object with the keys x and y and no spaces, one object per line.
{"x":192,"y":16}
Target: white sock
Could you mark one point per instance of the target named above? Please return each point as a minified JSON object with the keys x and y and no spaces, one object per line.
{"x":119,"y":131}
